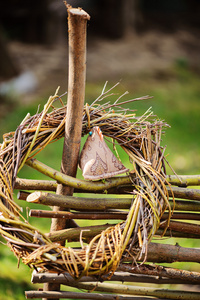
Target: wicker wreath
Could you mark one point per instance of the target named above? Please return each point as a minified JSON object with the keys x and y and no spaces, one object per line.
{"x":139,"y":137}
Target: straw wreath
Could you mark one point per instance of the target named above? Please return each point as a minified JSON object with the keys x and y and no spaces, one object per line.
{"x":140,"y":138}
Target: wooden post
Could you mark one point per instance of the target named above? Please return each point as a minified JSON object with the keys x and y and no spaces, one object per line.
{"x":77,"y":21}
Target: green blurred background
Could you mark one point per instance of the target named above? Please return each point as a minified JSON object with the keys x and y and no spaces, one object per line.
{"x":150,"y":56}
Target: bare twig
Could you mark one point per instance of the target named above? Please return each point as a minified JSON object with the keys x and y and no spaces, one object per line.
{"x":73,"y":234}
{"x":48,"y":185}
{"x":100,"y":203}
{"x":134,"y":290}
{"x":74,"y":182}
{"x":78,"y":295}
{"x":118,"y":276}
{"x":184,"y":180}
{"x":110,"y":215}
{"x":161,"y":272}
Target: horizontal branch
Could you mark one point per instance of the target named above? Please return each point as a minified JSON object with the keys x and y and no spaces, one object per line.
{"x":22,"y":195}
{"x":155,"y":270}
{"x":74,"y":182}
{"x":78,"y":203}
{"x":118,"y":276}
{"x":182,"y":216}
{"x":49,"y":185}
{"x":37,"y":185}
{"x":185,"y":193}
{"x":186,"y":205}
{"x":162,"y":253}
{"x":93,"y":186}
{"x":73,"y":234}
{"x":182,"y":193}
{"x":134,"y":290}
{"x":77,"y":295}
{"x":184,"y":180}
{"x":107,"y":203}
{"x":114,"y":215}
{"x":108,"y":215}
{"x":176,"y":234}
{"x":182,"y":227}
{"x":99,"y":204}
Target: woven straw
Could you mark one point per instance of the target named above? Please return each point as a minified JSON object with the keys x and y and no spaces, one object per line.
{"x":139,"y":137}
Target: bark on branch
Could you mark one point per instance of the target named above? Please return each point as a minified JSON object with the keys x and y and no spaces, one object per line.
{"x":161,"y":271}
{"x":87,"y":204}
{"x":77,"y":24}
{"x":49,"y":185}
{"x":107,"y":215}
{"x":135,"y":290}
{"x":118,"y":276}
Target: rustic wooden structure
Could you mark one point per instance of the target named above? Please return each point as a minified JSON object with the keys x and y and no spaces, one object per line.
{"x":127,"y":270}
{"x":187,"y":208}
{"x":157,"y":253}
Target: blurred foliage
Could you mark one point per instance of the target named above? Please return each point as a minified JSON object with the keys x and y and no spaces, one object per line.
{"x":176,"y":99}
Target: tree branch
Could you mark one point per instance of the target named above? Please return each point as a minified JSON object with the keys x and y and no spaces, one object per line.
{"x":65,"y":278}
{"x":86,"y":204}
{"x":74,"y":182}
{"x":77,"y":295}
{"x":161,"y":272}
{"x":134,"y":290}
{"x":107,"y":215}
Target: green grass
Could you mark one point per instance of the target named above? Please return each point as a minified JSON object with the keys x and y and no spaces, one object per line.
{"x":176,"y":99}
{"x":13,"y":280}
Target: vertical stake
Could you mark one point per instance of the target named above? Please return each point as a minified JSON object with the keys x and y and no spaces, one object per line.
{"x":77,"y":25}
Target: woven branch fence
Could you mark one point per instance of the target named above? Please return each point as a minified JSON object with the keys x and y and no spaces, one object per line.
{"x":107,"y":248}
{"x":145,"y":207}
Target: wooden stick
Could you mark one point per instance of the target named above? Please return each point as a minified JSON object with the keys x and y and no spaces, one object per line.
{"x":161,"y":271}
{"x":78,"y":295}
{"x":162,"y":253}
{"x":184,"y":181}
{"x":22,"y":195}
{"x":182,"y":193}
{"x":77,"y":202}
{"x":79,"y":215}
{"x":49,"y":185}
{"x":118,"y":276}
{"x":135,"y":290}
{"x":187,"y":205}
{"x":182,"y":216}
{"x":176,"y":234}
{"x":108,"y":215}
{"x":185,"y":193}
{"x":100,"y":203}
{"x":73,"y":234}
{"x":109,"y":185}
{"x":77,"y":22}
{"x":35,"y":185}
{"x":77,"y":183}
{"x":183,"y":227}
